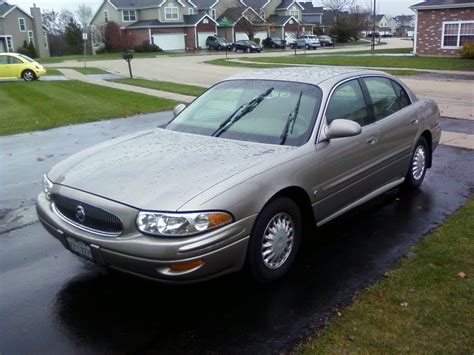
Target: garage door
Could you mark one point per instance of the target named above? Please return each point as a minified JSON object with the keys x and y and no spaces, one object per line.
{"x":262,"y":35}
{"x":241,"y":36}
{"x":169,"y":41}
{"x":202,"y":36}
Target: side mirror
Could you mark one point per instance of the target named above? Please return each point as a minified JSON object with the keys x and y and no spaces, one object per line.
{"x":341,"y":128}
{"x":177,"y":110}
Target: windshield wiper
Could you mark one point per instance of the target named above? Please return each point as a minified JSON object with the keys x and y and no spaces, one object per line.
{"x":290,"y":121}
{"x":229,"y":121}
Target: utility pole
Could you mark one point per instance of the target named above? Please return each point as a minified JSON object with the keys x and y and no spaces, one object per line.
{"x":373,"y":26}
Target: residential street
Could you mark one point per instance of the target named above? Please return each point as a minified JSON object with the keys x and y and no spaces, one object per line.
{"x":55,"y":303}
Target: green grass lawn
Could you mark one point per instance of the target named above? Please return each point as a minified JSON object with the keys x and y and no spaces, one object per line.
{"x":183,"y":89}
{"x":51,"y":71}
{"x":104,"y":56}
{"x":422,"y":306}
{"x":89,"y":70}
{"x":230,"y":63}
{"x":440,"y":63}
{"x":32,"y":106}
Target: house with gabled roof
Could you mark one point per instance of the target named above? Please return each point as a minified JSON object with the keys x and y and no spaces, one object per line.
{"x":17,"y":26}
{"x":170,"y":24}
{"x":443,"y":26}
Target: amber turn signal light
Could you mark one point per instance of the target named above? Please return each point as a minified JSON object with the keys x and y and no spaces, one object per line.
{"x":188,"y":265}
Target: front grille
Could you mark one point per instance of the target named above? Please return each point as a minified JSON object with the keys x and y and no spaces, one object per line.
{"x":85,"y":216}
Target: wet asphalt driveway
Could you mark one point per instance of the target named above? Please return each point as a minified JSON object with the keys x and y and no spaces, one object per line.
{"x":52,"y":302}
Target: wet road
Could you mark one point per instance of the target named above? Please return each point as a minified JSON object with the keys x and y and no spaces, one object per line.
{"x":52,"y":302}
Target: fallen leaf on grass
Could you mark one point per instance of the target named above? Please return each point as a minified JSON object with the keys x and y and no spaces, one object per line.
{"x":404,"y":304}
{"x":351,"y":337}
{"x":462,"y":275}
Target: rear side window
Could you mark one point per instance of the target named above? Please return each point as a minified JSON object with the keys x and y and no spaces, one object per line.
{"x":348,"y":102}
{"x":384,"y":99}
{"x":402,"y":95}
{"x":14,"y":60}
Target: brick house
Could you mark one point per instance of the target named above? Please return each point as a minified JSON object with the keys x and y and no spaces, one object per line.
{"x":186,"y":24}
{"x":443,"y":26}
{"x":17,"y":26}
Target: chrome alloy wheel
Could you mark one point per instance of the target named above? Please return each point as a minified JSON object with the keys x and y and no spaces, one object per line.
{"x":419,"y":162}
{"x":28,"y":75}
{"x":278,"y":240}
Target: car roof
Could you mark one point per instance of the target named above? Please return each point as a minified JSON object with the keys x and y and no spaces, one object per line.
{"x":307,"y":75}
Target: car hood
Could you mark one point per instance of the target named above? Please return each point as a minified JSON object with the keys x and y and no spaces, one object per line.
{"x":160,"y":169}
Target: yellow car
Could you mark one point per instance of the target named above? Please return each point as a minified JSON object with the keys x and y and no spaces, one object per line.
{"x":15,"y":65}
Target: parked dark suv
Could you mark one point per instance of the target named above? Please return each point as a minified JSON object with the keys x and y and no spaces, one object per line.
{"x":219,"y":43}
{"x":274,"y":42}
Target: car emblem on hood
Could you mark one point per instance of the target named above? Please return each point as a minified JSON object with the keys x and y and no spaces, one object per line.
{"x":80,"y":214}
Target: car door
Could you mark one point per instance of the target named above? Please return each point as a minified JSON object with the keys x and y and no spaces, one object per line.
{"x":346,"y":165}
{"x":4,"y":67}
{"x":15,"y":67}
{"x":397,"y":122}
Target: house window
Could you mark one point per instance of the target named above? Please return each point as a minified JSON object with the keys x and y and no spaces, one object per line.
{"x":31,"y":39}
{"x":171,"y":12}
{"x":21,"y":24}
{"x":190,"y":11}
{"x":129,"y":15}
{"x":456,"y":33}
{"x":106,"y":16}
{"x":45,"y":39}
{"x":213,"y":14}
{"x":295,"y":13}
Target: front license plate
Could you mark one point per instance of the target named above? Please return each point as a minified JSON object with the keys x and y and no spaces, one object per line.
{"x":80,"y":248}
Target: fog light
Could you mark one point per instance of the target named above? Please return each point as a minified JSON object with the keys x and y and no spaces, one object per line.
{"x":188,"y":265}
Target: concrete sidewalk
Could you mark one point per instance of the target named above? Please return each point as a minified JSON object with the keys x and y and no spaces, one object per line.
{"x":75,"y":75}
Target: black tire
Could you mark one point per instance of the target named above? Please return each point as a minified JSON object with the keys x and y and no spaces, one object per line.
{"x":28,"y":75}
{"x":219,"y":48}
{"x":286,"y":209}
{"x":416,"y":173}
{"x":248,"y":50}
{"x":235,"y":49}
{"x":307,"y":46}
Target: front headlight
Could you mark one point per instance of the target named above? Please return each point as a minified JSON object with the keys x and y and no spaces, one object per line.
{"x":180,"y":224}
{"x":47,"y":187}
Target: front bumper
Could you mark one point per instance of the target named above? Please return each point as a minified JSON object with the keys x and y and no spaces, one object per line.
{"x":222,"y":250}
{"x":40,"y":72}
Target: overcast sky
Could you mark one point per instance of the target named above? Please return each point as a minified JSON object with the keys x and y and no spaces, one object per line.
{"x":389,"y":7}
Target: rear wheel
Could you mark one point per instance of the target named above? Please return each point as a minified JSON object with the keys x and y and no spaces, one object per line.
{"x":275,"y":240}
{"x":418,"y":165}
{"x":28,"y":75}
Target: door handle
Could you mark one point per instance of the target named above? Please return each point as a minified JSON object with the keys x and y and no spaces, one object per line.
{"x":371,"y":140}
{"x":414,"y":121}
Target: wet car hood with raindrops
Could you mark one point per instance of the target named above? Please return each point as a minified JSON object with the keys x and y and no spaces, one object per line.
{"x":160,"y":169}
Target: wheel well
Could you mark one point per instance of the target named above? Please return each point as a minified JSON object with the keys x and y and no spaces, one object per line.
{"x":429,"y":140}
{"x":301,"y":198}
{"x":23,"y":72}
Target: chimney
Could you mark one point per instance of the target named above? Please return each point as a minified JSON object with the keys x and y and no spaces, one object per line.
{"x":41,"y":47}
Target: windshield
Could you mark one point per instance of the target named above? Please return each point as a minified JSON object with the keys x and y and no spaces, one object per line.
{"x":220,"y":39}
{"x":273,"y":106}
{"x":27,"y":58}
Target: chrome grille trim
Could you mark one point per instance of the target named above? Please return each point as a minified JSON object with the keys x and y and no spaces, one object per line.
{"x":80,"y":226}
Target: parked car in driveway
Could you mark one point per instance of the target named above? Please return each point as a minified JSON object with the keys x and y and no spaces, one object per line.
{"x":219,"y":43}
{"x":325,"y":41}
{"x":247,"y":46}
{"x":238,"y":174}
{"x":308,"y":42}
{"x":274,"y":42}
{"x":20,"y":66}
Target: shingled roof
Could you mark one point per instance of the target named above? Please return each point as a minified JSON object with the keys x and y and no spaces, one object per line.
{"x":442,"y":4}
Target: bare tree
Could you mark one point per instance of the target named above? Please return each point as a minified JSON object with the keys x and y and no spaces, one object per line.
{"x":84,"y":16}
{"x":338,"y":5}
{"x":56,"y":21}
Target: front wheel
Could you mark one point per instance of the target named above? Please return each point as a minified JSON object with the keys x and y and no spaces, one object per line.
{"x":28,"y":75}
{"x":248,"y":50}
{"x":275,"y":240}
{"x":418,"y":165}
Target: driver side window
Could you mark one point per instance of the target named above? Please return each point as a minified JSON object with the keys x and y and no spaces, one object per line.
{"x":348,"y":102}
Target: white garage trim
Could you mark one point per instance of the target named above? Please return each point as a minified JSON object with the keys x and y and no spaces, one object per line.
{"x":169,"y":41}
